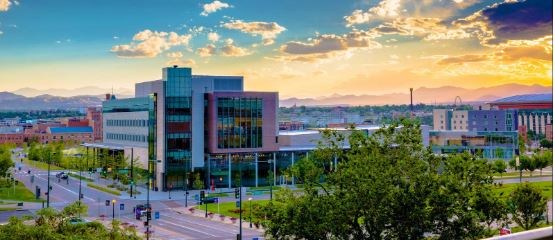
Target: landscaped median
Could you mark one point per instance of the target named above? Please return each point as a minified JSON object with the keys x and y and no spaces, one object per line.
{"x":228,"y":212}
{"x":80,"y":177}
{"x":101,"y":188}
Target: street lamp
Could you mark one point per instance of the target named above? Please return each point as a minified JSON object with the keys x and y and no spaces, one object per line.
{"x":113,"y":209}
{"x":149,"y":209}
{"x":48,"y":181}
{"x":80,"y":177}
{"x":250,"y":212}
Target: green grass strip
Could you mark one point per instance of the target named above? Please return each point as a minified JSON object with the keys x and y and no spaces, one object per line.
{"x":100,"y":188}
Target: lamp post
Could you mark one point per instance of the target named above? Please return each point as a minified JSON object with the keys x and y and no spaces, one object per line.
{"x":149,"y":209}
{"x":113,"y":209}
{"x":250,"y":212}
{"x":48,"y":181}
{"x":80,"y":177}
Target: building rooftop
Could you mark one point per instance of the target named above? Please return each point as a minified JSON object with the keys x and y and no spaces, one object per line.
{"x":544,"y":97}
{"x":71,"y":130}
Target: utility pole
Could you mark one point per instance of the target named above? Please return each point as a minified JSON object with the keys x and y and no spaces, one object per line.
{"x":80,"y":177}
{"x":48,"y":181}
{"x":132,"y":179}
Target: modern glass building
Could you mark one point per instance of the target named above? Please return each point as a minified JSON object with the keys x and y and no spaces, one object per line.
{"x":178,"y":123}
{"x":485,"y":144}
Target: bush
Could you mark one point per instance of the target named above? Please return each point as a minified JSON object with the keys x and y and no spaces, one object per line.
{"x":527,"y":205}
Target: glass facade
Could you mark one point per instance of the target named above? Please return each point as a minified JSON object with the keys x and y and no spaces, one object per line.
{"x":177,"y":125}
{"x":489,"y":145}
{"x":239,"y":122}
{"x":126,"y":105}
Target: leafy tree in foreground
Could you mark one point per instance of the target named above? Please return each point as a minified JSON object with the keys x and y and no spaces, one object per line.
{"x":53,"y":225}
{"x":386,"y":186}
{"x":5,"y":160}
{"x":527,"y":205}
{"x":499,"y":166}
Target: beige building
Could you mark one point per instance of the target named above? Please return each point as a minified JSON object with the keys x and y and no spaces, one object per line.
{"x":447,"y":119}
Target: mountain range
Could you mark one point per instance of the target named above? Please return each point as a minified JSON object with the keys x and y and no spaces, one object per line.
{"x":442,"y":95}
{"x":439,"y":95}
{"x":61,"y":92}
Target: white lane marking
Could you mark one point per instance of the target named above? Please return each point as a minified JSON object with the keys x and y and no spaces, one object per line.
{"x":200,"y":224}
{"x":74,"y":193}
{"x":192,"y":229}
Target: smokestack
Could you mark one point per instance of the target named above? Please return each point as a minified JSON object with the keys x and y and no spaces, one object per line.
{"x":411,"y":107}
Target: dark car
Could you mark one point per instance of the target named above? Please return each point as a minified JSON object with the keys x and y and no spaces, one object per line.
{"x":58,"y":175}
{"x":64,"y":176}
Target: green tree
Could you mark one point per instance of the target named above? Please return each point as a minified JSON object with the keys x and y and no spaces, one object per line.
{"x":490,"y":207}
{"x":387,"y":185}
{"x":541,"y":161}
{"x":545,"y":143}
{"x":5,"y":160}
{"x":499,"y":166}
{"x":527,"y":205}
{"x":198,"y":183}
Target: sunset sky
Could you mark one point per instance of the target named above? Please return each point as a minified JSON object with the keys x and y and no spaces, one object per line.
{"x":300,"y":48}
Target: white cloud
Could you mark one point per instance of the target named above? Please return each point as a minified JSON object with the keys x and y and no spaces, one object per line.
{"x":268,"y":30}
{"x":5,"y":5}
{"x":268,"y":41}
{"x":234,"y":51}
{"x":229,"y":41}
{"x":175,"y":55}
{"x":179,"y":62}
{"x":207,"y":51}
{"x":148,"y":44}
{"x":213,"y":7}
{"x":213,"y":37}
{"x":385,"y":9}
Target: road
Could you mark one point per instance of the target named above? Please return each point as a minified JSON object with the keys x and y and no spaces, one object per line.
{"x":517,"y":180}
{"x":174,"y":222}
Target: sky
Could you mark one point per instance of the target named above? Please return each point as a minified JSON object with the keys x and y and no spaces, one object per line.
{"x":300,"y":48}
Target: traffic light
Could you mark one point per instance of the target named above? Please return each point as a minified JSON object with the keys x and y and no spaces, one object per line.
{"x":202,"y":195}
{"x":236,"y":193}
{"x":148,"y":215}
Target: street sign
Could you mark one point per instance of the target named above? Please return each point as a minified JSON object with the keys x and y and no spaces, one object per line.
{"x":121,"y":206}
{"x":156,"y":215}
{"x":107,"y":202}
{"x":237,"y":204}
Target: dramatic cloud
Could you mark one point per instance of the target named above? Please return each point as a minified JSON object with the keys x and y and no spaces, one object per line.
{"x":213,"y":7}
{"x":5,"y":5}
{"x":213,"y":37}
{"x":328,"y":45}
{"x":426,"y":28}
{"x":148,"y":44}
{"x":385,"y":9}
{"x":512,"y":51}
{"x":511,"y":20}
{"x":234,"y":51}
{"x":267,"y":30}
{"x":207,"y":51}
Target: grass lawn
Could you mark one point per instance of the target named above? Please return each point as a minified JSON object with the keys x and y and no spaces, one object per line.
{"x":82,"y":177}
{"x":227,"y":208}
{"x":546,"y":187}
{"x":21,"y":194}
{"x":40,"y":165}
{"x":520,"y":229}
{"x":100,"y":188}
{"x":218,"y":195}
{"x":4,"y":209}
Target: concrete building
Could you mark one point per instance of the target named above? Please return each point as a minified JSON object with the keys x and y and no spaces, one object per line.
{"x":94,"y":116}
{"x":448,"y":119}
{"x":492,"y":120}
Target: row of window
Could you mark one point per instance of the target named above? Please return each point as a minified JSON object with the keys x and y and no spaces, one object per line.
{"x":126,"y":123}
{"x":126,"y":137}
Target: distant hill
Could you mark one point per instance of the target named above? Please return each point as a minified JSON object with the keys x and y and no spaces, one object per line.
{"x":11,"y":101}
{"x":82,"y":91}
{"x":440,"y":95}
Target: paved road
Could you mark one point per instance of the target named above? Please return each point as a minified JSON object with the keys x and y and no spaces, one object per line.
{"x":171,"y":225}
{"x":517,"y":180}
